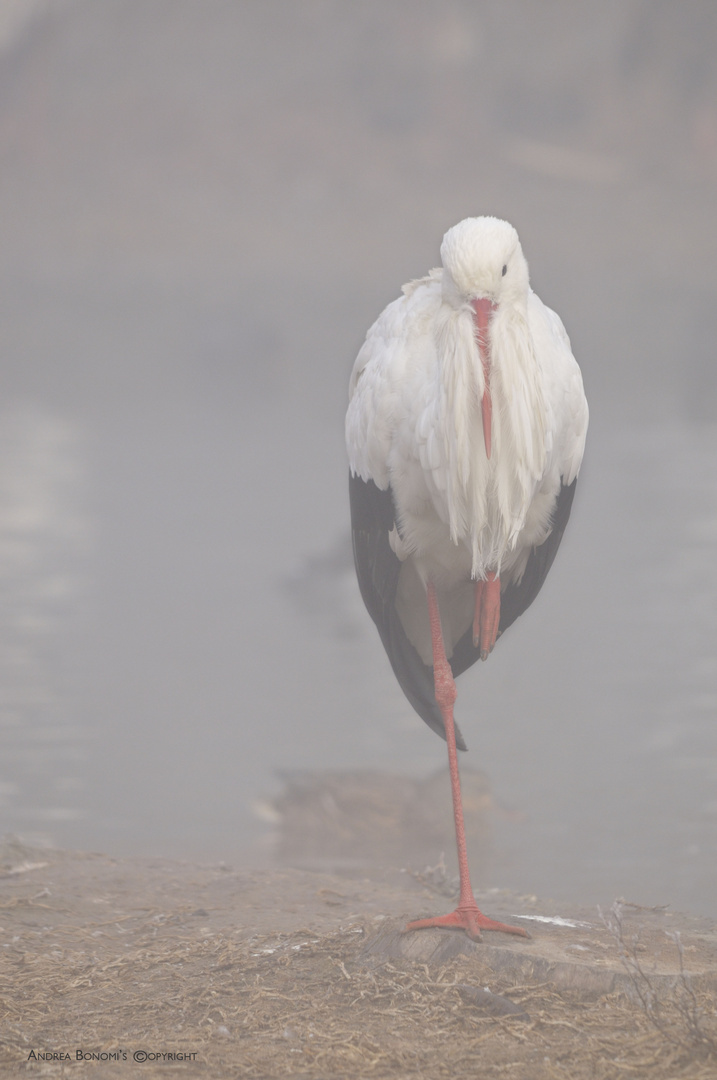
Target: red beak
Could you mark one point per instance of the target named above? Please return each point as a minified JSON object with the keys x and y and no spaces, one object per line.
{"x":482,"y":312}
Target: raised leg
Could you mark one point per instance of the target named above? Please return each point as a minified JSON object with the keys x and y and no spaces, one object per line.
{"x":487,"y":614}
{"x":467,"y":915}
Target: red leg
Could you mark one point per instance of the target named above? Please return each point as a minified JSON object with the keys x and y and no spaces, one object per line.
{"x":487,"y":614}
{"x":467,"y":915}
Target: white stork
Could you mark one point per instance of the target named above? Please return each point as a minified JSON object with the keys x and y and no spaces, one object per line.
{"x":465,"y":433}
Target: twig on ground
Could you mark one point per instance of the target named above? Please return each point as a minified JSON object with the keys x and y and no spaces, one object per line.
{"x":685,"y":1029}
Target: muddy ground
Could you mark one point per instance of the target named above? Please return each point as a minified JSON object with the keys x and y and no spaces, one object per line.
{"x":298,"y":973}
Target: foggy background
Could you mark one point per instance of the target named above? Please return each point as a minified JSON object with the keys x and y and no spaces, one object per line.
{"x":205,"y":204}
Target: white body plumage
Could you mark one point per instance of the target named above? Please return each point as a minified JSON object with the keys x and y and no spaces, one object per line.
{"x":415,"y":422}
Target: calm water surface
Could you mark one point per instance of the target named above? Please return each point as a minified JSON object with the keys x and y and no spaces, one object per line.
{"x":175,"y":633}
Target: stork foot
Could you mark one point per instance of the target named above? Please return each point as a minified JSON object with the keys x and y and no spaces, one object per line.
{"x":486,"y":620}
{"x":470,"y":918}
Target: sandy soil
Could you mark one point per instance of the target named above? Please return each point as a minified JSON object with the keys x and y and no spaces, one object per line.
{"x":242,"y":973}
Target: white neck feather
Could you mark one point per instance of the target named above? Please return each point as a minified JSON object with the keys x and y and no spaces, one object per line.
{"x":488,"y":500}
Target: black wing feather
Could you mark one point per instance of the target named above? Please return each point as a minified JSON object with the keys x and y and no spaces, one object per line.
{"x":373,"y":516}
{"x":377,"y":567}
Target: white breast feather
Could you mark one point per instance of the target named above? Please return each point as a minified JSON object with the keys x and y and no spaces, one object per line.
{"x":414,"y":421}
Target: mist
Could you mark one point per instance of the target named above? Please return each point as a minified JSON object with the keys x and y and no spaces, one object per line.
{"x":206,"y":205}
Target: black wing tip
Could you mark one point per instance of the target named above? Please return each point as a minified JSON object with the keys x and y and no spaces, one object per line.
{"x":432,"y":717}
{"x":373,"y":516}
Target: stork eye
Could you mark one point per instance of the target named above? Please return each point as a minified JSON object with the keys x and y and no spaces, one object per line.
{"x":504,"y":271}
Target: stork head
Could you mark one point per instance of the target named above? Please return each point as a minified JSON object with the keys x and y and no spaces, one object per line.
{"x":482,"y":258}
{"x":484,"y":267}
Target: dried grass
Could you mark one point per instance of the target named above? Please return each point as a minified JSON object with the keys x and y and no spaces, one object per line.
{"x":676,"y":1012}
{"x":300,"y":1005}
